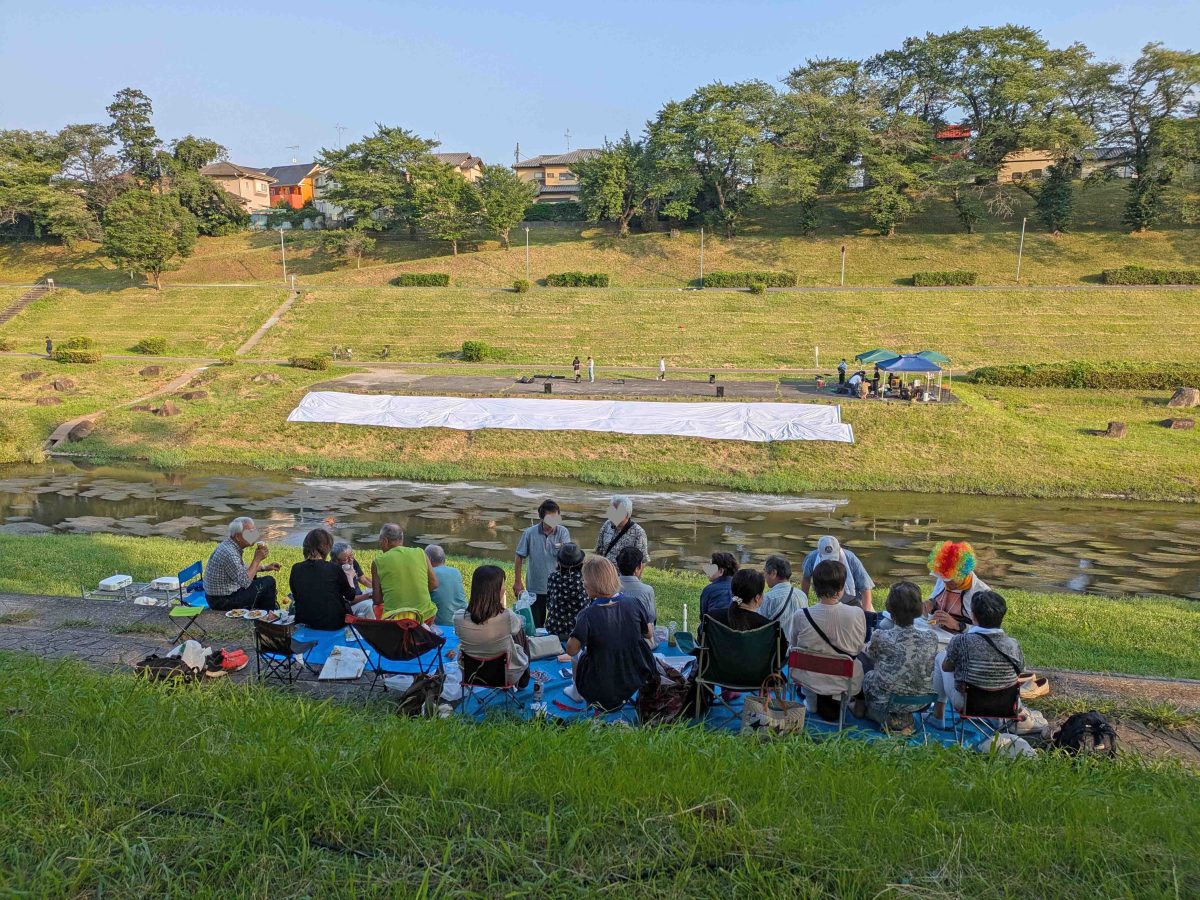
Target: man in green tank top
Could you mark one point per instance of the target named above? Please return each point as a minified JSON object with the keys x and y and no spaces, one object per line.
{"x":402,"y":576}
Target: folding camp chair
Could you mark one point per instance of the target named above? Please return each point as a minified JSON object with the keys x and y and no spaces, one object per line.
{"x":397,"y":640}
{"x":735,"y":660}
{"x":907,"y":702}
{"x":191,"y":603}
{"x":275,"y":652}
{"x":989,"y":711}
{"x":489,"y":676}
{"x":800,"y":662}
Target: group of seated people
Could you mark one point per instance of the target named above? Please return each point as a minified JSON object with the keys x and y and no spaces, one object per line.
{"x":605,"y":614}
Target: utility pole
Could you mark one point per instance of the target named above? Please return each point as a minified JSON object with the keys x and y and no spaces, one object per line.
{"x":568,"y":137}
{"x":339,"y":128}
{"x":1020,"y":251}
{"x":283,"y":254}
{"x":843,"y":282}
{"x":526,"y":252}
{"x":293,"y":148}
{"x":701,"y":256}
{"x":516,"y":154}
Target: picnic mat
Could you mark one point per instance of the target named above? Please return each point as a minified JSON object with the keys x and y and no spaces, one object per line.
{"x":560,"y":706}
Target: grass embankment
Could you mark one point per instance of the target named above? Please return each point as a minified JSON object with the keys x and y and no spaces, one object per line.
{"x":716,"y":328}
{"x":1144,"y":636}
{"x":1003,"y":441}
{"x":115,"y":786}
{"x":195,"y":321}
{"x":24,"y":425}
{"x":932,"y":240}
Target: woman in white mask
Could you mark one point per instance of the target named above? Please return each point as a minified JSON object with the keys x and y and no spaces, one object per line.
{"x":537,"y":557}
{"x":620,"y":531}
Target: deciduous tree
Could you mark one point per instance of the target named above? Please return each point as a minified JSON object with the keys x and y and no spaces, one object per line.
{"x":503,"y":198}
{"x":131,"y":112}
{"x":348,"y":243}
{"x":448,"y":205}
{"x":372,"y":177}
{"x":148,"y":233}
{"x":615,"y":184}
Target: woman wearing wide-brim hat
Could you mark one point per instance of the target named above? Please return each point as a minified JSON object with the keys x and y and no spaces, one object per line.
{"x":565,"y":594}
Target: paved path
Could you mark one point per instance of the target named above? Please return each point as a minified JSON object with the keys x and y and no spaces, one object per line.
{"x":267,"y":325}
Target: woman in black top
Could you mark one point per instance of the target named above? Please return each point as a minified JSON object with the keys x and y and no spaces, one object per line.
{"x":747,"y":589}
{"x":321,"y":594}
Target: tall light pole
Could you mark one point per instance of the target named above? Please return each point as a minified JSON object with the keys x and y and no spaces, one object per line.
{"x":1020,"y":251}
{"x":843,"y":283}
{"x":283,"y":254}
{"x":526,"y":252}
{"x":701,"y":256}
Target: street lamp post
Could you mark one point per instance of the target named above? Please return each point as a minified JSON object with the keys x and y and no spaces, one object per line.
{"x":701,"y":256}
{"x":283,"y":254}
{"x":1020,"y":251}
{"x":526,"y":252}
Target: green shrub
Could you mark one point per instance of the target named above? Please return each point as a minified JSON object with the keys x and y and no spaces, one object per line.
{"x":745,"y":279}
{"x":1141,"y":275}
{"x":421,"y":279}
{"x":70,"y":355}
{"x":7,"y":345}
{"x":1110,"y":376}
{"x":227,"y":360}
{"x":521,"y":286}
{"x":479,"y":351}
{"x":577,"y":279}
{"x":151,"y":346}
{"x":78,"y":343}
{"x":758,"y":287}
{"x":318,"y":363}
{"x":554,"y":212}
{"x":944,"y":279}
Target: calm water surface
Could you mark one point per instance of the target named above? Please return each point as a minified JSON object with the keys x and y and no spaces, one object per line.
{"x":1094,"y":546}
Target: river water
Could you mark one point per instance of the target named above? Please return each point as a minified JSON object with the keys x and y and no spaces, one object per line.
{"x":1092,"y":546}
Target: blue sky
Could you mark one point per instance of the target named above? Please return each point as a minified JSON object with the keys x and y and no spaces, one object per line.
{"x":259,"y":77}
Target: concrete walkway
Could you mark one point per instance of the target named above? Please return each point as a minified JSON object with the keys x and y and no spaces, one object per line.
{"x":266,"y":326}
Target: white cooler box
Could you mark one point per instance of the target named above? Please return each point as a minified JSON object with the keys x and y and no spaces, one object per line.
{"x":115,"y":582}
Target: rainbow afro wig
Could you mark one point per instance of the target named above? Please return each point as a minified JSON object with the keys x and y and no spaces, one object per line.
{"x":952,"y":561}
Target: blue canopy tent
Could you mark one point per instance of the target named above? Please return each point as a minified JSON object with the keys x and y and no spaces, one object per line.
{"x":942,"y":360}
{"x":913,"y":364}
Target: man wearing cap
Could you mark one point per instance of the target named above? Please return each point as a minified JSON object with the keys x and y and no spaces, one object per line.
{"x":858,"y":582}
{"x":539,"y":546}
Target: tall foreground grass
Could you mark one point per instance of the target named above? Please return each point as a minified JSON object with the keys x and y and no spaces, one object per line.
{"x":112,"y":787}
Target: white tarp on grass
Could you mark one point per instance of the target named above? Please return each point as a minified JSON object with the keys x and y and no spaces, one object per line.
{"x":723,"y":421}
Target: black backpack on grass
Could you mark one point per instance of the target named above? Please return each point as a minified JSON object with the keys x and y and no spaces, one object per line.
{"x":166,"y":668}
{"x":1087,"y":734}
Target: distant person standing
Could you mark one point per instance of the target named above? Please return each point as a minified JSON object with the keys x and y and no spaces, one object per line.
{"x":662,"y":369}
{"x":591,"y":370}
{"x":49,"y":346}
{"x":575,"y":368}
{"x":842,"y":367}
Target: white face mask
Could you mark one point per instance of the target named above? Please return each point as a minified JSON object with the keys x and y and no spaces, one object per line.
{"x":710,"y":570}
{"x":250,"y":536}
{"x":552,"y":520}
{"x":616,"y":516}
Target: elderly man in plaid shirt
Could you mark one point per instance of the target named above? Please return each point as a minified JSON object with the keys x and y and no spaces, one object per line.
{"x":231,"y":584}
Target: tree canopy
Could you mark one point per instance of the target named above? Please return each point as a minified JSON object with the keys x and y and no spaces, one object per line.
{"x":149,"y":233}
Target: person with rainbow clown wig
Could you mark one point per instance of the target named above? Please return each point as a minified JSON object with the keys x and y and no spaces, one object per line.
{"x":953,"y":565}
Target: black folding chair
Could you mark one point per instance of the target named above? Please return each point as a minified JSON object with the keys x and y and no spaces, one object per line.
{"x":275,"y":652}
{"x":991,"y":711}
{"x":735,"y":660}
{"x":398,"y":641}
{"x":489,"y":676}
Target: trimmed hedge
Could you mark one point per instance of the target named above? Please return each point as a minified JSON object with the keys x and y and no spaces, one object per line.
{"x":318,"y":363}
{"x":73,"y":355}
{"x":944,"y":279}
{"x":78,"y":343}
{"x":421,"y":279}
{"x":1113,"y":376}
{"x":577,"y":279}
{"x":1142,"y":275}
{"x":7,"y":344}
{"x":757,"y":287}
{"x":478,"y":351}
{"x":151,"y":346}
{"x":521,"y":286}
{"x":554,"y":212}
{"x":745,"y":279}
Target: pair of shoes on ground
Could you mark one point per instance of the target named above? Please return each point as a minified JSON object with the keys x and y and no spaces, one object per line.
{"x":222,"y":662}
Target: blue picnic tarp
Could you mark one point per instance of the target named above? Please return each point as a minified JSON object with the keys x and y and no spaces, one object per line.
{"x":560,"y":706}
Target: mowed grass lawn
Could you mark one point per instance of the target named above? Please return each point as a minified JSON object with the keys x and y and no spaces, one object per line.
{"x":769,"y":240}
{"x":1143,"y":635}
{"x":115,"y":786}
{"x":195,"y":321}
{"x":715,"y":328}
{"x":24,"y":425}
{"x":997,"y":441}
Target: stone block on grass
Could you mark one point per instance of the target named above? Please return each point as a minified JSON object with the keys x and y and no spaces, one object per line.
{"x":1179,"y":424}
{"x":81,"y":430}
{"x":149,"y":371}
{"x":167,"y":409}
{"x":1185,"y":398}
{"x":1116,"y":430}
{"x":48,"y":401}
{"x":30,"y":376}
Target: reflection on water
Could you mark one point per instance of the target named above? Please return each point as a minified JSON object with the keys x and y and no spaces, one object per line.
{"x":1111,"y":547}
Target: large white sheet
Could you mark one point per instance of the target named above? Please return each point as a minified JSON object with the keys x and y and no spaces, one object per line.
{"x":723,"y":421}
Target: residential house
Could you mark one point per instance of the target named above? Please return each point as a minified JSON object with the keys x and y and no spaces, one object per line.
{"x":251,"y":185}
{"x":294,"y":184}
{"x":553,"y":176}
{"x":1116,"y":160}
{"x":1021,"y":164}
{"x":953,"y":142}
{"x":467,"y":165}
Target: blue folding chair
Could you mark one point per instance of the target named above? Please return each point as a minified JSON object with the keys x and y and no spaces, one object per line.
{"x":192,"y":601}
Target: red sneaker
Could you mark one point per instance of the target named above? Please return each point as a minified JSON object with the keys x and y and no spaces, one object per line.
{"x":233,"y":660}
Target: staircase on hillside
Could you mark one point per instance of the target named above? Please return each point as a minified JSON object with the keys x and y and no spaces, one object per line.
{"x":39,"y":290}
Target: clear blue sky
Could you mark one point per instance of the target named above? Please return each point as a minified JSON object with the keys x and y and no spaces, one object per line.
{"x":259,"y":77}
